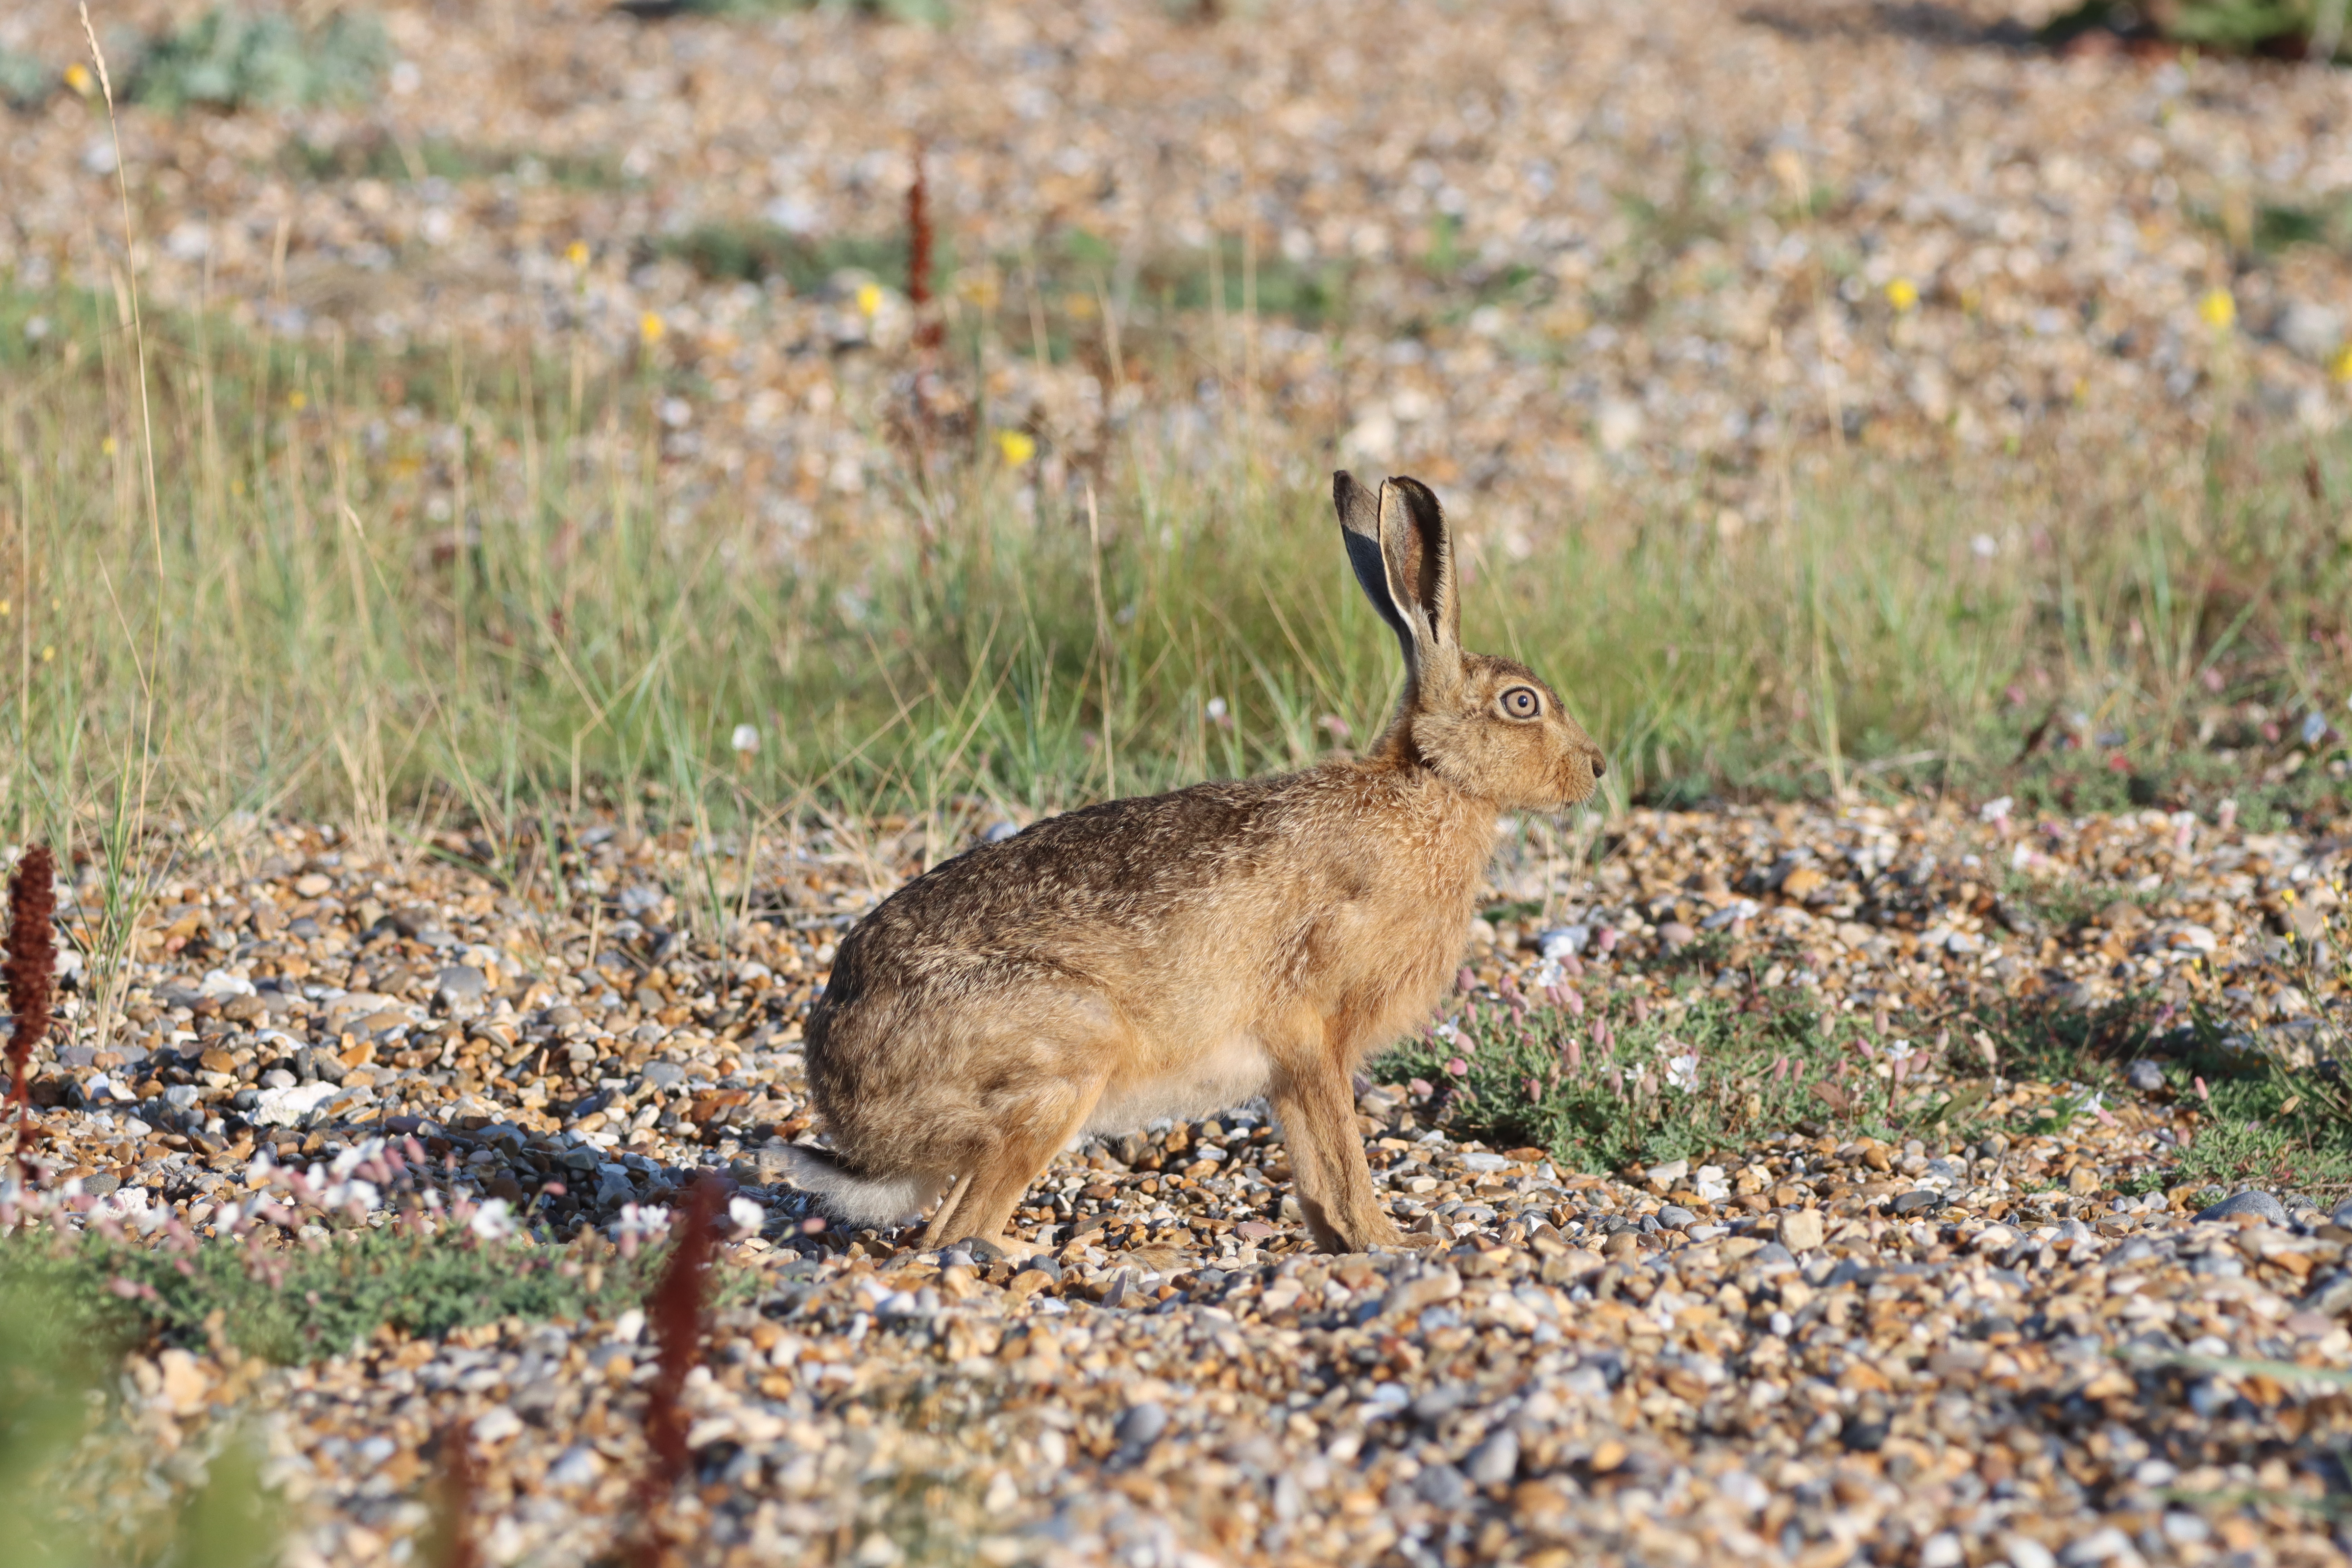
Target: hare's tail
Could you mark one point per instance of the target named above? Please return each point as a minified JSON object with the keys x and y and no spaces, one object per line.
{"x":860,"y":1200}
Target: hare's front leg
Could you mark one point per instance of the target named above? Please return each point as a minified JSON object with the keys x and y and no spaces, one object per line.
{"x":1313,"y":1098}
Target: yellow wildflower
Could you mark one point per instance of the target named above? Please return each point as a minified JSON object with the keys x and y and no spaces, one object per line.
{"x":1903,"y":294}
{"x":2217,"y":309}
{"x":576,"y":253}
{"x":78,"y":79}
{"x":650,"y":328}
{"x":869,"y":300}
{"x":297,"y":401}
{"x":2339,"y":364}
{"x":1018,"y":447}
{"x":49,"y":652}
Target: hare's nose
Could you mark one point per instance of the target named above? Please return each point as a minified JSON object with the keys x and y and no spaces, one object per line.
{"x":1600,"y":765}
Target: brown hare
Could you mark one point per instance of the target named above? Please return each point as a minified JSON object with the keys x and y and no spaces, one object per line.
{"x":1176,"y":954}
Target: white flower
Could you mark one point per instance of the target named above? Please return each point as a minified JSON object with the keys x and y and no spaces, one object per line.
{"x":494,"y":1221}
{"x":1995,"y":810}
{"x":1682,"y":1071}
{"x":748,"y":1216}
{"x":746,"y":739}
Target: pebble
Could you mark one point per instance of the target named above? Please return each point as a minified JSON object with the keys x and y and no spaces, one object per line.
{"x":2261,"y":1204}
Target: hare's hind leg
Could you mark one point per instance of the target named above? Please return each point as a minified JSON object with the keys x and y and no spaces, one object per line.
{"x":985,"y":1196}
{"x":936,"y":1234}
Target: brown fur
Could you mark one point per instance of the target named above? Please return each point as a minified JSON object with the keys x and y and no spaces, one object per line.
{"x":1175,"y":954}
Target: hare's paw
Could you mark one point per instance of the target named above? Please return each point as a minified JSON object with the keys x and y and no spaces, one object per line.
{"x":1417,"y":1241}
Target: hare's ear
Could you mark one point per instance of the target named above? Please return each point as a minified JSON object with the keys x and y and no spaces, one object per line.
{"x":1420,"y":557}
{"x":1359,"y":529}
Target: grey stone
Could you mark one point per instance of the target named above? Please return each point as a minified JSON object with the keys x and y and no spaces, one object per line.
{"x":614,"y":1186}
{"x":982,"y":1251}
{"x":663,"y":1074}
{"x":1496,"y":1460}
{"x":2342,"y":1215}
{"x":1437,"y":1402}
{"x":766,"y":1166}
{"x":1141,"y":1425}
{"x":2102,"y":1545}
{"x":2145,"y":1076}
{"x":2332,"y":1296}
{"x":2311,"y":330}
{"x":1442,"y":1486}
{"x":1674,"y":1216}
{"x":1041,"y":1264}
{"x":460,"y":984}
{"x":2251,"y":1201}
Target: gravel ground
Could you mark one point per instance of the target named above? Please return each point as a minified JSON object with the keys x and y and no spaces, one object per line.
{"x":1819,"y":1350}
{"x":1581,"y":247}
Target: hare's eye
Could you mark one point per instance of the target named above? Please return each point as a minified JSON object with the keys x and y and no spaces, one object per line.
{"x":1521,"y":702}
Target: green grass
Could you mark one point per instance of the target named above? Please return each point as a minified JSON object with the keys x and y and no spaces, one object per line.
{"x":306,"y":1299}
{"x":298,"y":623}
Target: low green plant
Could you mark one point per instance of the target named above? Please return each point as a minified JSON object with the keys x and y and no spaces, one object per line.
{"x":24,"y":80}
{"x":306,"y":1299}
{"x":381,"y":157}
{"x":754,"y":252}
{"x":1602,"y":1087}
{"x":62,"y":1444}
{"x":2238,"y":26}
{"x":231,"y":58}
{"x":936,"y":13}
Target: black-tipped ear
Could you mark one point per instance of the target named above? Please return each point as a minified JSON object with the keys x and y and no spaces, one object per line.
{"x":1359,"y":529}
{"x":1420,"y":557}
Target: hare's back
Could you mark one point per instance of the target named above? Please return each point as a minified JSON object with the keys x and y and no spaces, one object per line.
{"x":1124,"y":866}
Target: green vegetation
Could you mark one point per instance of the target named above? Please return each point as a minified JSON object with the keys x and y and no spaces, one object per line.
{"x":1606,"y":1089}
{"x":230,"y":58}
{"x":24,"y":80}
{"x":754,"y":252}
{"x":301,"y":619}
{"x":2295,"y":28}
{"x":63,"y":1496}
{"x":936,"y":13}
{"x":297,"y":1302}
{"x":1602,"y":1089}
{"x":376,"y":156}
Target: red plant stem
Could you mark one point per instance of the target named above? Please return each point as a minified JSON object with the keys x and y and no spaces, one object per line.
{"x":458,"y":1486}
{"x":675,"y":1315}
{"x":928,"y":327}
{"x":31,"y":970}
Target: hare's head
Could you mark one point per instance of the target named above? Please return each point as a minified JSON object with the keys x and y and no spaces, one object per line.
{"x":1488,"y":726}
